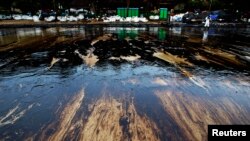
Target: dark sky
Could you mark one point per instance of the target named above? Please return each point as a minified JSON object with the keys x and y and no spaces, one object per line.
{"x":235,"y":4}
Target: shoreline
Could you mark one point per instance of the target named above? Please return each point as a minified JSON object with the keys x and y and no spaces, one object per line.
{"x":26,"y":23}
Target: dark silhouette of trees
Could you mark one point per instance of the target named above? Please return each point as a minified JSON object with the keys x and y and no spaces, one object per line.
{"x":7,"y":5}
{"x":34,"y":5}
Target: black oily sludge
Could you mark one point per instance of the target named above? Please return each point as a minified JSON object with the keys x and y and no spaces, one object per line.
{"x":105,"y":83}
{"x":110,"y":47}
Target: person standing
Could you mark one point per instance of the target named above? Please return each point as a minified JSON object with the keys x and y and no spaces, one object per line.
{"x":207,"y":22}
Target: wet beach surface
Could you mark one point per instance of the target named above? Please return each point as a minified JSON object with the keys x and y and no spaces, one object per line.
{"x":111,"y":83}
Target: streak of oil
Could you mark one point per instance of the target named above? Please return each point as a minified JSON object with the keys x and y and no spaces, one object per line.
{"x":105,"y":37}
{"x":193,"y":114}
{"x":14,"y":115}
{"x":223,"y":56}
{"x":90,"y":59}
{"x":64,"y":126}
{"x":112,"y":120}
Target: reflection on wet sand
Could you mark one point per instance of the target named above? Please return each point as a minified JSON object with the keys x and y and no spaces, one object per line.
{"x":160,"y":81}
{"x":132,"y":81}
{"x":30,"y":42}
{"x":192,"y":114}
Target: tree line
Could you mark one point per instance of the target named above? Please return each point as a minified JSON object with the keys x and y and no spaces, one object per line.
{"x":34,"y":5}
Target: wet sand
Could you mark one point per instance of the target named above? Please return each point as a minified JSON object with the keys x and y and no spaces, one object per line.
{"x":93,"y":23}
{"x":110,"y":83}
